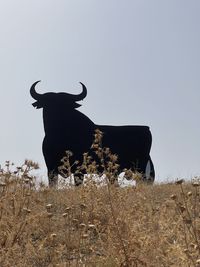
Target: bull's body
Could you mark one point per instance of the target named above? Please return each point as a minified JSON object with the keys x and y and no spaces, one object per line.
{"x":68,"y":129}
{"x":131,"y":143}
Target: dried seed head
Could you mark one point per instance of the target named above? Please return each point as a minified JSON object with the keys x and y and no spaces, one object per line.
{"x":26,"y":210}
{"x":49,"y":214}
{"x":83,"y":206}
{"x":94,"y":146}
{"x":82,"y":225}
{"x":180,"y":181}
{"x":68,"y":209}
{"x":189,"y":193}
{"x":182,"y":208}
{"x":91,"y":226}
{"x":107,"y":150}
{"x":69,"y":153}
{"x":193,"y":246}
{"x":85,"y":236}
{"x":198,"y":262}
{"x":64,"y":215}
{"x":173,"y":197}
{"x":195,"y":184}
{"x":98,"y":131}
{"x":114,"y":157}
{"x":49,"y":206}
{"x":53,"y":235}
{"x":129,"y":174}
{"x":31,"y":163}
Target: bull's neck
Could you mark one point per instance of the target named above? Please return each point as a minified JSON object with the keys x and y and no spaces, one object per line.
{"x":62,"y":121}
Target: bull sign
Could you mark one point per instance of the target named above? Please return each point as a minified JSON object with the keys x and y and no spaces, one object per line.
{"x":67,"y":129}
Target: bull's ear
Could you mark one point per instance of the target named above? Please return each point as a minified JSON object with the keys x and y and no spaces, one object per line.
{"x":76,"y":105}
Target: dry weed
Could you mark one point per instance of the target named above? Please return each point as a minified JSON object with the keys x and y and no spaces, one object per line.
{"x":97,"y":225}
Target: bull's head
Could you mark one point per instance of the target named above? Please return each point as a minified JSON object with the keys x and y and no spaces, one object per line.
{"x":44,"y":100}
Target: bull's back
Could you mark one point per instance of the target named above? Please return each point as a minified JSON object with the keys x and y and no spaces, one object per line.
{"x":127,"y":140}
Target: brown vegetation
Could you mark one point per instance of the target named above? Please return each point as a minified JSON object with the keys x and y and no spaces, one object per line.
{"x":96,"y":225}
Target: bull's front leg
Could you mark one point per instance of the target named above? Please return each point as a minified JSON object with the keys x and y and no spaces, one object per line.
{"x":78,"y":179}
{"x":53,"y":178}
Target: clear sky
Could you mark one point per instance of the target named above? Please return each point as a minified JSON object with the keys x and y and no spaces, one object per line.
{"x":139,"y":59}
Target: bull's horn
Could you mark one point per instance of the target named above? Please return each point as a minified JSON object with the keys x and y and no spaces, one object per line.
{"x":82,"y":95}
{"x":33,"y":93}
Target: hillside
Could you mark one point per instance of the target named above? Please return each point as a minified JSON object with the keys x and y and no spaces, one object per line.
{"x":96,"y":225}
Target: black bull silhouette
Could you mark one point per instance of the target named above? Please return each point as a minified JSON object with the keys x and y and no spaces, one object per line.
{"x":68,"y":129}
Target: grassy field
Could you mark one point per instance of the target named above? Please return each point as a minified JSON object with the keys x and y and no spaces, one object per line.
{"x":96,"y":225}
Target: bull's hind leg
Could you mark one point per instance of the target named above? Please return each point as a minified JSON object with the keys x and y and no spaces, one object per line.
{"x":53,"y":178}
{"x":146,"y":169}
{"x":152,"y":173}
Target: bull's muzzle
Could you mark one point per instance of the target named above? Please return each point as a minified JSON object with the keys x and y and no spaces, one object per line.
{"x":37,"y":105}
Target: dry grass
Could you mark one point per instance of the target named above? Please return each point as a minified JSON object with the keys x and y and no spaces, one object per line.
{"x":97,"y":225}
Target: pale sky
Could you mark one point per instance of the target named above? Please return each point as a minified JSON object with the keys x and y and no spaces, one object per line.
{"x":140,"y":60}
